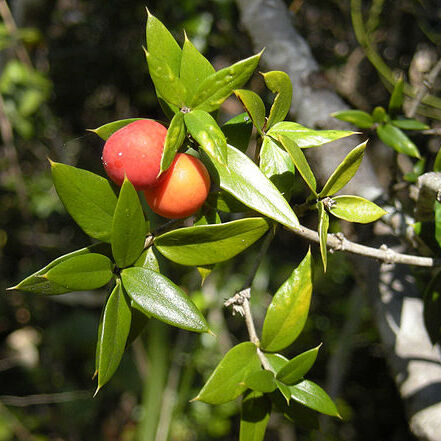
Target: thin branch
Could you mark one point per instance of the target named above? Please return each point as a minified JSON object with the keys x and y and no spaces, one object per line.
{"x":39,"y":399}
{"x":338,"y":242}
{"x":424,"y":89}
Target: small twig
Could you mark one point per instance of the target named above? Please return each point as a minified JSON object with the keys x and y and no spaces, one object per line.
{"x":424,"y":89}
{"x":436,"y":132}
{"x":338,"y":242}
{"x":39,"y":399}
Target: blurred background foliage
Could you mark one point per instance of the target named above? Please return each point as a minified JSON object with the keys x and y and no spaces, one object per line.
{"x":71,"y":65}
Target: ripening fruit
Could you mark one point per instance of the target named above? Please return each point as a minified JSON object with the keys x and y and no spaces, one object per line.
{"x":182,"y":189}
{"x":135,"y":151}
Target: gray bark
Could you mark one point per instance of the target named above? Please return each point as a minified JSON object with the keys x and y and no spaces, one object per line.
{"x":414,"y":362}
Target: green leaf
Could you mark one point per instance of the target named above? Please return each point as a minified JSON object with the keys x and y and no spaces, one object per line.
{"x":280,"y":84}
{"x":161,"y":43}
{"x":298,"y":158}
{"x":161,"y":298}
{"x":167,"y":83}
{"x":357,"y":117}
{"x":148,"y":259}
{"x":254,"y":106}
{"x":237,"y":131}
{"x":256,"y":410}
{"x":115,"y":329}
{"x":277,"y":166}
{"x":379,"y":115}
{"x":226,"y":382}
{"x":396,"y":99}
{"x":244,"y":180}
{"x":223,"y":201}
{"x":35,"y":283}
{"x":284,"y":390}
{"x":313,"y":396}
{"x":323,"y":226}
{"x":344,"y":172}
{"x":355,"y":209}
{"x":82,"y":272}
{"x":106,"y":130}
{"x":261,"y":381}
{"x":194,"y":68}
{"x":437,"y":208}
{"x":277,"y":361}
{"x":409,"y":124}
{"x":216,"y":88}
{"x":88,"y":198}
{"x":288,"y":311}
{"x":432,"y":309}
{"x":129,"y":227}
{"x":305,"y":137}
{"x":298,"y":367}
{"x":437,"y":163}
{"x":208,"y":244}
{"x":207,"y":134}
{"x":173,"y":140}
{"x":137,"y":325}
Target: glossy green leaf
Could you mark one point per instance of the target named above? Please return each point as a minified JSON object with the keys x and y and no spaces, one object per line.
{"x":344,"y":172}
{"x":148,"y":259}
{"x":161,"y":298}
{"x":432,"y":309}
{"x":277,"y":166}
{"x":276,"y":361}
{"x":129,"y":227}
{"x":261,"y":381}
{"x":323,"y":226}
{"x":237,"y":131}
{"x":256,"y":410}
{"x":207,"y":244}
{"x":223,"y":201}
{"x":244,"y":180}
{"x":82,"y":272}
{"x":313,"y":396}
{"x":254,"y":106}
{"x":226,"y":382}
{"x":280,"y":84}
{"x":298,"y":367}
{"x":115,"y":329}
{"x":409,"y":124}
{"x":216,"y":88}
{"x":88,"y":198}
{"x":204,"y":129}
{"x":194,"y":68}
{"x":357,"y":117}
{"x":298,"y":158}
{"x":37,"y":284}
{"x":284,"y":390}
{"x":167,"y":83}
{"x":288,"y":311}
{"x":106,"y":130}
{"x":305,"y":137}
{"x":355,"y":209}
{"x":161,"y":43}
{"x":173,"y":140}
{"x":396,"y":99}
{"x":379,"y":115}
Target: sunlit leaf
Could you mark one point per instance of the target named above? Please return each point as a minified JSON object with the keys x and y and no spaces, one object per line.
{"x":345,"y":171}
{"x":357,"y":117}
{"x":207,"y":244}
{"x":280,"y":84}
{"x":204,"y":129}
{"x":148,"y":259}
{"x":115,"y":328}
{"x":216,"y":88}
{"x":106,"y":130}
{"x":254,"y":106}
{"x":256,"y":410}
{"x":88,"y":198}
{"x":162,"y":299}
{"x":261,"y":381}
{"x":82,"y":272}
{"x":129,"y":227}
{"x":287,"y":313}
{"x":173,"y":140}
{"x":226,"y":382}
{"x":409,"y":124}
{"x":355,"y":209}
{"x":323,"y":226}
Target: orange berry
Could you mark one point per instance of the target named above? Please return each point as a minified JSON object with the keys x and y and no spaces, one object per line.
{"x":181,"y":190}
{"x":135,"y":151}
